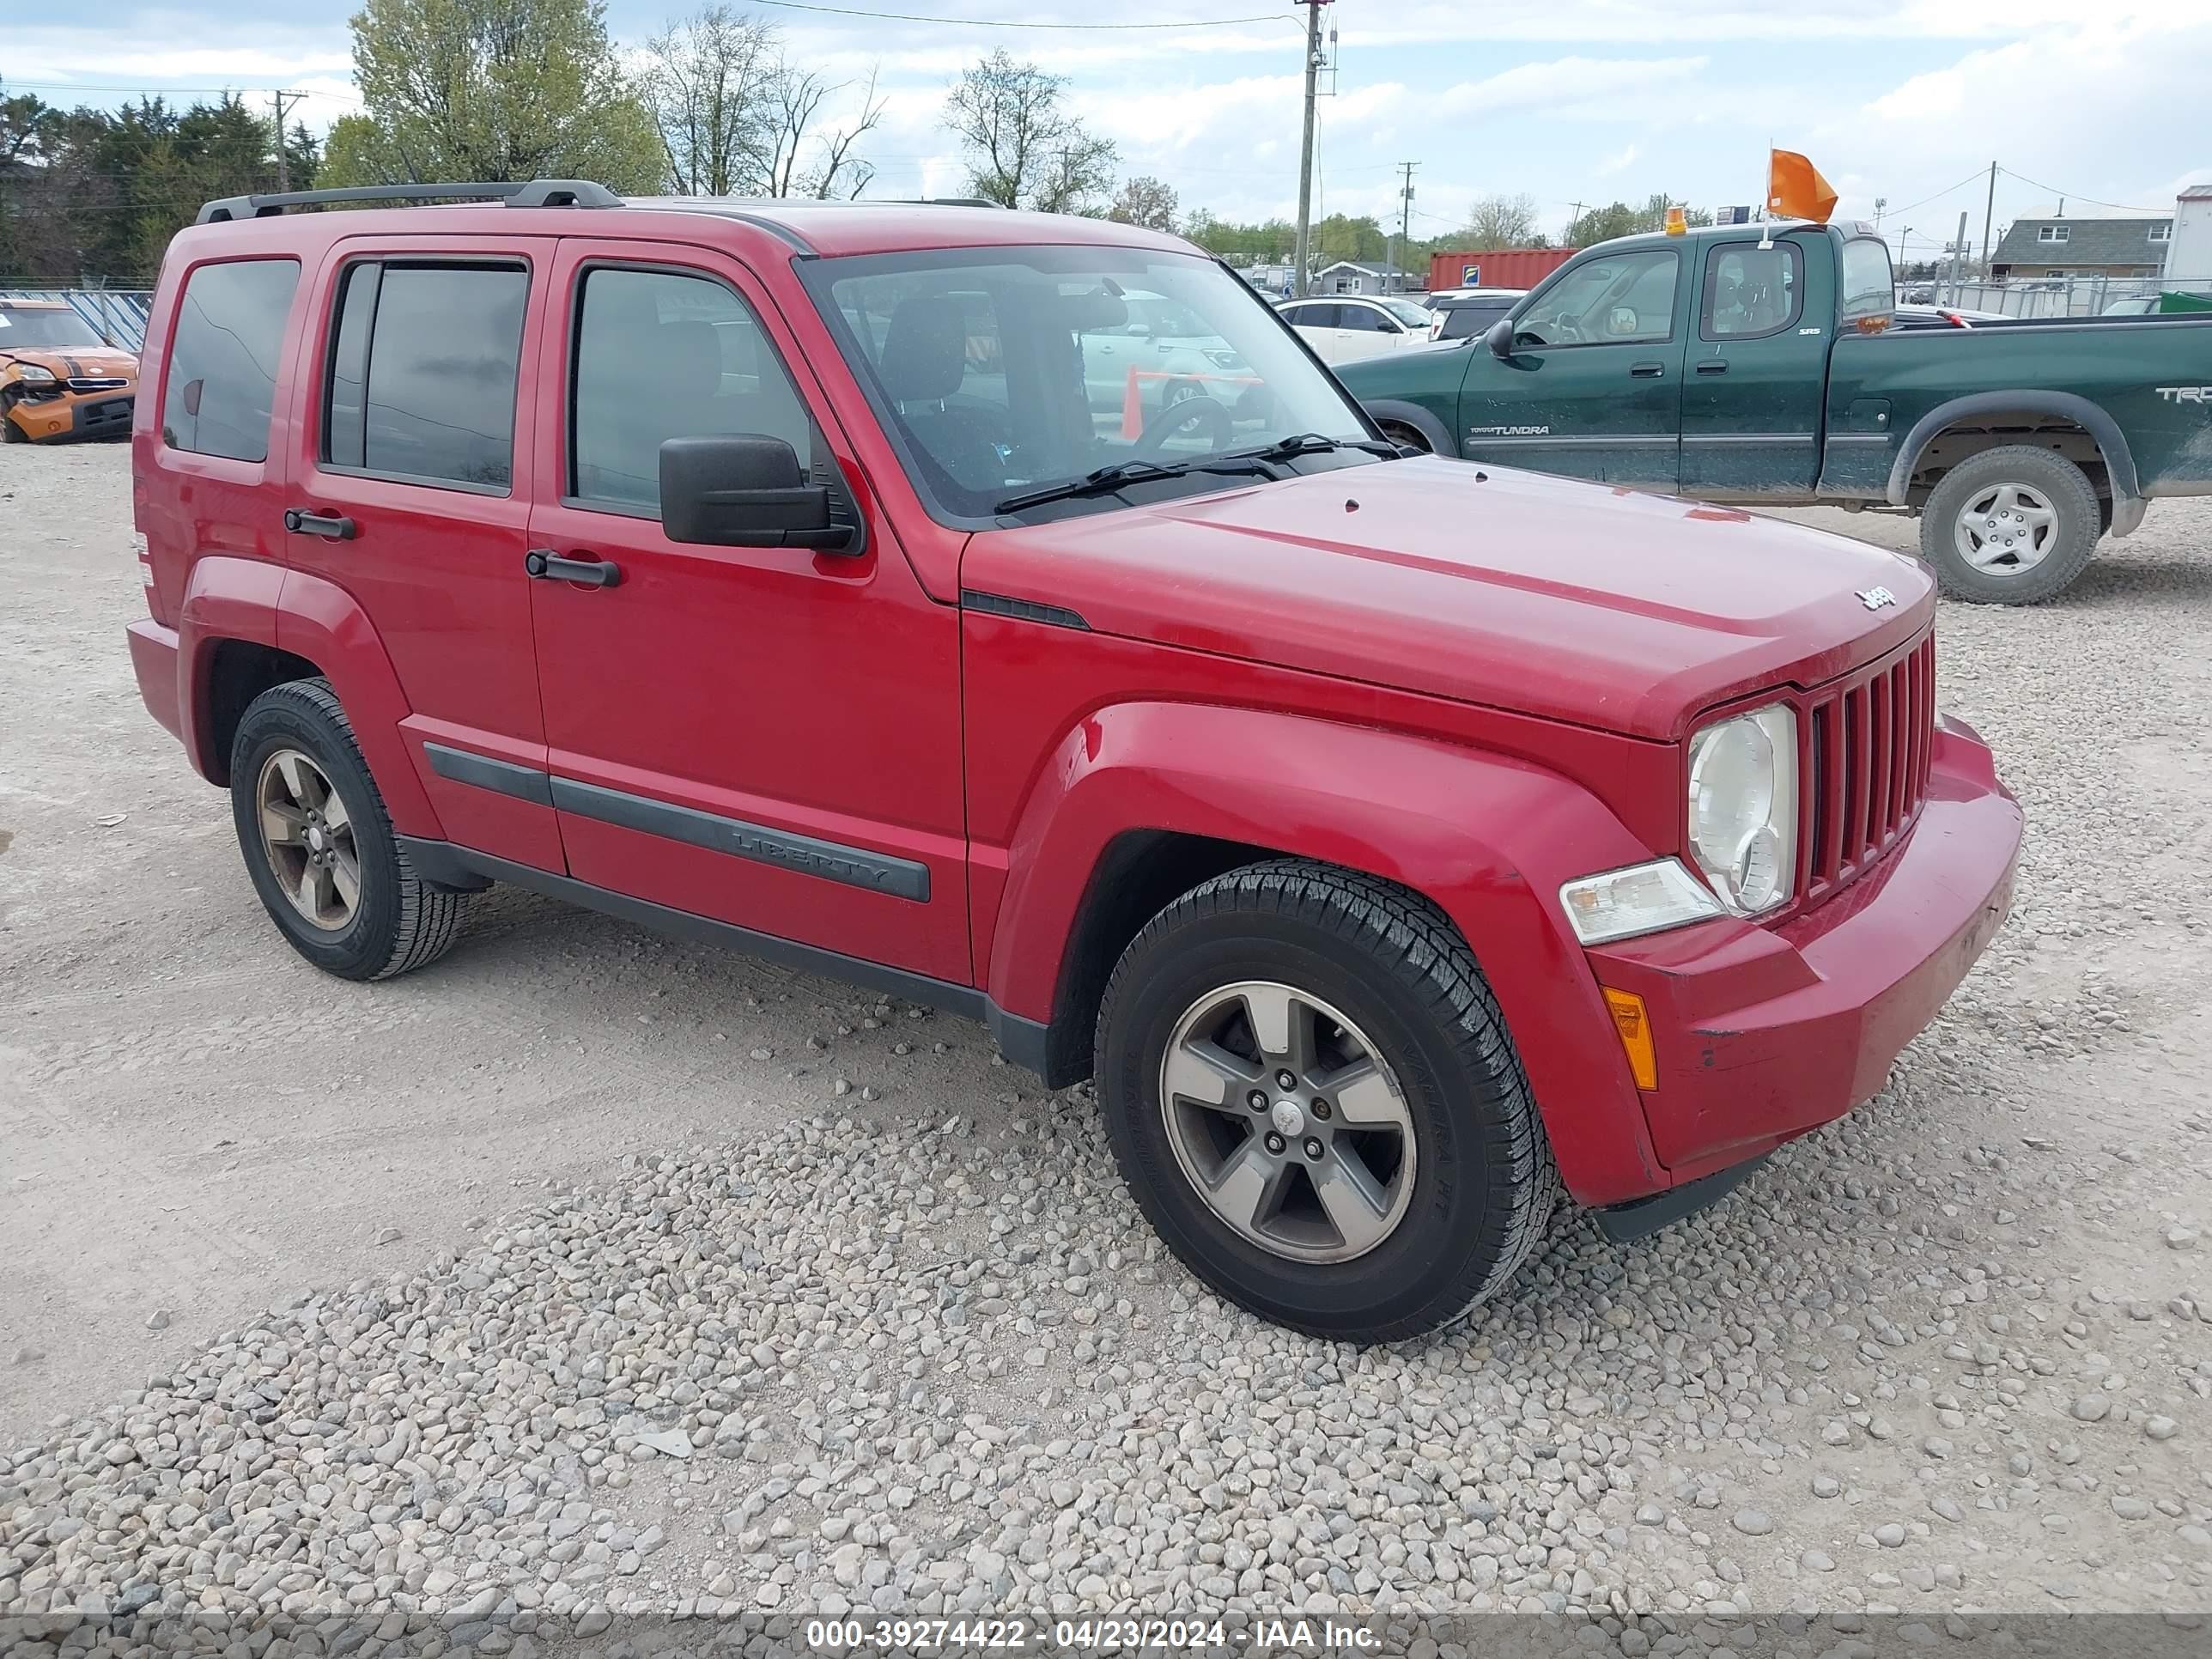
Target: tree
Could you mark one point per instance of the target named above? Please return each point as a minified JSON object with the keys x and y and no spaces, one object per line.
{"x":711,"y":83}
{"x":1501,"y":221}
{"x":800,"y":95}
{"x":1026,"y":149}
{"x":1145,"y":201}
{"x":1601,"y":224}
{"x":495,"y":89}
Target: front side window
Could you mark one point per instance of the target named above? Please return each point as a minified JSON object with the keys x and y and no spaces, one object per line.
{"x":1624,"y":298}
{"x":1869,"y":286}
{"x":662,"y":355}
{"x":1365,"y":319}
{"x":223,"y":347}
{"x":422,"y":367}
{"x":998,"y":372}
{"x":1752,"y":291}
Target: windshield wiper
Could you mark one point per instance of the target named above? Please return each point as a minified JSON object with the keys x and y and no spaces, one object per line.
{"x":1105,"y":480}
{"x":1313,"y":443}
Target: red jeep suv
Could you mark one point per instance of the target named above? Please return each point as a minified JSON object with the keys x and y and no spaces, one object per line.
{"x":1397,"y":843}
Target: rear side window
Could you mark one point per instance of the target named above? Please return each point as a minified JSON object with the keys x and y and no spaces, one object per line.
{"x":423,"y":370}
{"x":1869,"y":289}
{"x":1752,"y":291}
{"x":223,"y":347}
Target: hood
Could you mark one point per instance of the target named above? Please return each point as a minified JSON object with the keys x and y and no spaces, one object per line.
{"x":1586,"y":603}
{"x":75,"y":362}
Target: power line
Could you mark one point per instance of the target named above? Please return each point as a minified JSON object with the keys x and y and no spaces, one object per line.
{"x":1941,"y":194}
{"x":2075,"y":194}
{"x":1005,"y":23}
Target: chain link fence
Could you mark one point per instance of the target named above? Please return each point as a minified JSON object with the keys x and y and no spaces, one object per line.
{"x":2052,"y":296}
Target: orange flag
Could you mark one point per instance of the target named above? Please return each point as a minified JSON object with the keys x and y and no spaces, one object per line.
{"x":1795,"y":190}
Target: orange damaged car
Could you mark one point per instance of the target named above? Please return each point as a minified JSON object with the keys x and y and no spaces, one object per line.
{"x":58,"y":379}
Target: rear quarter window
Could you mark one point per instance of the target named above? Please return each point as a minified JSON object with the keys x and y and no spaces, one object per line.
{"x":220,"y":384}
{"x":1869,"y":287}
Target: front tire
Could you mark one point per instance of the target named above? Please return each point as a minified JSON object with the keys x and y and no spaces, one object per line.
{"x":318,"y":842}
{"x":1398,"y":1178}
{"x":2010,"y":525}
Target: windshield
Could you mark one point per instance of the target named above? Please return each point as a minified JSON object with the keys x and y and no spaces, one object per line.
{"x":1406,"y":312}
{"x":1001,"y":371}
{"x":22,"y":326}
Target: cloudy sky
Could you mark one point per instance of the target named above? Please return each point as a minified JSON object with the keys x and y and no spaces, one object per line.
{"x":1567,"y":100}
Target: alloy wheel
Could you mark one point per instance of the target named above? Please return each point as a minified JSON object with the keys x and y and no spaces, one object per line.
{"x":1288,"y":1121}
{"x":307,"y":833}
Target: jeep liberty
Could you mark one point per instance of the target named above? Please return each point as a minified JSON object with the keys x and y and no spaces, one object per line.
{"x":1399,"y":844}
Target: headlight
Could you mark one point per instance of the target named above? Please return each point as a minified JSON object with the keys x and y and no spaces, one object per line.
{"x":1644,"y":898}
{"x":1225,"y":359}
{"x":33,"y":372}
{"x":1743,"y":807}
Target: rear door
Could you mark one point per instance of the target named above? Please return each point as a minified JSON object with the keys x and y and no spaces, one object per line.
{"x":420,"y":357}
{"x":1317,"y":320}
{"x":1593,"y":387}
{"x":1756,"y":369}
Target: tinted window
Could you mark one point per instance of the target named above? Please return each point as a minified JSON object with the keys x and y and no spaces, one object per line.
{"x":1312,"y":316}
{"x":1752,"y":290}
{"x":661,"y":356}
{"x":1870,"y":290}
{"x":1365,"y":319}
{"x":1624,"y":299}
{"x":423,"y":371}
{"x":1460,"y":321}
{"x":223,"y":349}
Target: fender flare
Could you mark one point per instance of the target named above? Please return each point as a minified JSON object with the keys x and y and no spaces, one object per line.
{"x":1487,"y":839}
{"x":225,"y":599}
{"x":1421,"y":420}
{"x":2112,"y":443}
{"x":320,"y":621}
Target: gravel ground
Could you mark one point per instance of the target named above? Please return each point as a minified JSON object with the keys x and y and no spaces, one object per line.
{"x":753,"y":1340}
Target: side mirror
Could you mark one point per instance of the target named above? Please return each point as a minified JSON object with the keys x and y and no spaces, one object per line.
{"x":1621,"y":322}
{"x":1137,"y":329}
{"x":191,"y":398}
{"x":745,"y":490}
{"x":1500,"y":337}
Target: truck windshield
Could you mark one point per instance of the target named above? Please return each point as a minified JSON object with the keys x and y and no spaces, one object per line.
{"x":42,"y":325}
{"x":1001,"y":372}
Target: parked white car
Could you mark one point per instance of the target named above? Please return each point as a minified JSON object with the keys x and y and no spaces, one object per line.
{"x":1343,"y":328}
{"x":1164,"y":352}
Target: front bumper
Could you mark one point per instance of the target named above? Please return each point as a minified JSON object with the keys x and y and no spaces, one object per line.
{"x":69,"y":415}
{"x":1764,"y":1033}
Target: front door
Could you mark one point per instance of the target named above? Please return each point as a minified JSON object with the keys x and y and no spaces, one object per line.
{"x":1593,"y":387}
{"x":767,"y":736}
{"x":1757,"y":371}
{"x":405,"y":426}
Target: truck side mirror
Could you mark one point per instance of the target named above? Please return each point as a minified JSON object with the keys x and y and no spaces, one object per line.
{"x":1500,"y":338}
{"x":743,"y":490}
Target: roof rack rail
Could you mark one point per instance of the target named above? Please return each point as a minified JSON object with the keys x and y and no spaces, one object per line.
{"x":951,"y":201}
{"x":535,"y":192}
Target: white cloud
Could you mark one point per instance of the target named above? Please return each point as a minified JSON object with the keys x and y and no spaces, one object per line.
{"x":1619,"y":161}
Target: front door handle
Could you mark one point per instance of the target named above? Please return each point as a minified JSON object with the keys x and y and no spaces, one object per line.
{"x":1646,"y":371}
{"x":303,"y":521}
{"x":543,"y":564}
{"x":1713,"y":366}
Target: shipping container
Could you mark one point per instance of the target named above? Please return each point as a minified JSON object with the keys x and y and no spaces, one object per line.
{"x":1498,"y":267}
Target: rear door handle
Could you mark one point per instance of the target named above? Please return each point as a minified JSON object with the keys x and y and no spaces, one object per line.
{"x":543,"y":564}
{"x":302,"y":522}
{"x":1646,"y":371}
{"x":1713,"y":366}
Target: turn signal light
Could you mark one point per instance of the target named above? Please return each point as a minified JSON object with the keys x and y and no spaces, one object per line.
{"x":1634,"y":1027}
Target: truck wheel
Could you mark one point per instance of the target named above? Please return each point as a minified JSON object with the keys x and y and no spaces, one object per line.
{"x":319,"y":843}
{"x":1311,"y":1093}
{"x":2012,"y":526}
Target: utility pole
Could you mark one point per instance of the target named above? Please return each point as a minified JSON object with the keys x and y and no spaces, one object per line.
{"x":1306,"y":151}
{"x":1405,"y":205}
{"x":283,"y":162}
{"x":1881,"y":206}
{"x":1989,"y":212}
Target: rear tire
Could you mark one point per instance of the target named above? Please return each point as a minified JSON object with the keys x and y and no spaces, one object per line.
{"x":2011,"y":525}
{"x":318,"y":842}
{"x":1438,"y":1135}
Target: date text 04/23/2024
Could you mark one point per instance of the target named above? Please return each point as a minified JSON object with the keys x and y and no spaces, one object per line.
{"x":1081,"y":1635}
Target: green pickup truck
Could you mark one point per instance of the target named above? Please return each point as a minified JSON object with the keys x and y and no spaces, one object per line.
{"x":1757,"y":364}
